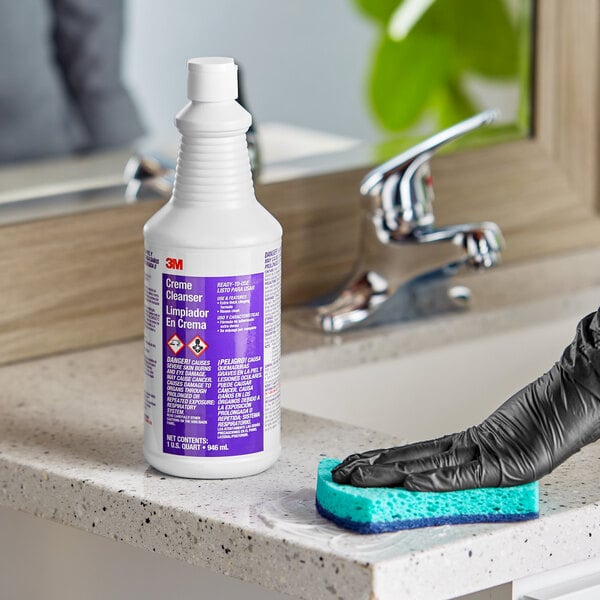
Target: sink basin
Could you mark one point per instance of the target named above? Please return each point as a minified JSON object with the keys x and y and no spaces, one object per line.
{"x":433,"y":392}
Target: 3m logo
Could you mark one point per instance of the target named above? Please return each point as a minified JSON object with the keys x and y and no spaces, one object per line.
{"x":175,"y":263}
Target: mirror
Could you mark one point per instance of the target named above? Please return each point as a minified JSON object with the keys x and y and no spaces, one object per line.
{"x":331,"y":85}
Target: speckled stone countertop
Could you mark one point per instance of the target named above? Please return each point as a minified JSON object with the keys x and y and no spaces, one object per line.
{"x":70,"y":451}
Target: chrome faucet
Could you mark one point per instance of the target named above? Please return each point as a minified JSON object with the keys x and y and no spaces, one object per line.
{"x":406,"y":263}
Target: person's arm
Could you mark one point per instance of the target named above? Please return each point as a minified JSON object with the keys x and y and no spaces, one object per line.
{"x":87,"y":37}
{"x":533,"y":432}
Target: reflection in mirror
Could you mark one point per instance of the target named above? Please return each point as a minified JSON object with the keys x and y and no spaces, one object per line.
{"x":331,"y":85}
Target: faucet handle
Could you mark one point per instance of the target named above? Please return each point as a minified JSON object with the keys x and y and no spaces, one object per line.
{"x":373,"y":181}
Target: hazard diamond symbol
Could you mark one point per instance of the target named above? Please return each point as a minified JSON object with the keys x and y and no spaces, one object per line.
{"x":175,"y":344}
{"x":197,"y":346}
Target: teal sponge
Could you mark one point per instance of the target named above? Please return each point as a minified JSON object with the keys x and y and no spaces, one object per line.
{"x":375,"y":510}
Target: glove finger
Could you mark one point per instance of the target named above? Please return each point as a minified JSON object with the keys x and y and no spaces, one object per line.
{"x":452,"y":458}
{"x":447,"y":479}
{"x":377,"y":476}
{"x":352,"y":458}
{"x":394,"y":474}
{"x":341,"y":473}
{"x":418,"y":450}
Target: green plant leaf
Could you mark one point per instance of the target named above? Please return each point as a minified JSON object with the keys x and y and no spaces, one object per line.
{"x":404,"y":77}
{"x":451,"y":104}
{"x":484,"y":38}
{"x":392,"y":146}
{"x":378,"y":10}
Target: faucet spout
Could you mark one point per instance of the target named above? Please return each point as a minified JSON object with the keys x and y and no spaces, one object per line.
{"x":406,"y":263}
{"x":410,"y":278}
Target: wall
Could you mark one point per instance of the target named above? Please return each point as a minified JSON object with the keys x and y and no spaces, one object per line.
{"x":284,"y":48}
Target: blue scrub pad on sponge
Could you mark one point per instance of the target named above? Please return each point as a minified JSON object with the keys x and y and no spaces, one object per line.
{"x":376,"y":510}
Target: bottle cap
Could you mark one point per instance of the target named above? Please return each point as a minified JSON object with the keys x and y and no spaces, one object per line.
{"x":212,"y":79}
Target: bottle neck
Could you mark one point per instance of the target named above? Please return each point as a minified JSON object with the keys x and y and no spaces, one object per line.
{"x":213,"y":167}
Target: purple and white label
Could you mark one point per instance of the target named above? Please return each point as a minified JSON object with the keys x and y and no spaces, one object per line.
{"x":213,"y":364}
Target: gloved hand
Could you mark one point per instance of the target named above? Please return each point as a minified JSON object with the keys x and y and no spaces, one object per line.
{"x":527,"y":437}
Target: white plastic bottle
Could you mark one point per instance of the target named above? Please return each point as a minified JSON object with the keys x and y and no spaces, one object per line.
{"x":212,"y":298}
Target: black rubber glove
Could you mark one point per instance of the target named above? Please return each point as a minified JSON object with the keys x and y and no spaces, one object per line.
{"x":527,"y":437}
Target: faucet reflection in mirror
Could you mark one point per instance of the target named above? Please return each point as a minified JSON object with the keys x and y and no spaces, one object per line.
{"x":406,"y":264}
{"x":149,"y":176}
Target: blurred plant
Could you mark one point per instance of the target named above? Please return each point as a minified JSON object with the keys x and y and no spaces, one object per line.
{"x":428,"y":48}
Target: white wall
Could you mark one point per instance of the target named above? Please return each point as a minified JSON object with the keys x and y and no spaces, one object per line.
{"x":304,"y":62}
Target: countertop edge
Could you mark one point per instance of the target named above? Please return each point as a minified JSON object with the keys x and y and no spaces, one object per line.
{"x":207,"y":543}
{"x":486,"y":570}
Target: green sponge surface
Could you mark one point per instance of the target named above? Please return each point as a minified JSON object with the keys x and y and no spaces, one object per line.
{"x":375,"y":510}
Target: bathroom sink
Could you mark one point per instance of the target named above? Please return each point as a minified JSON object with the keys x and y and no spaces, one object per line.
{"x":433,"y":392}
